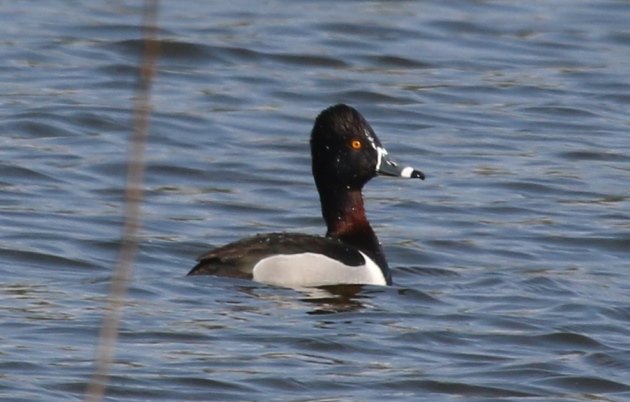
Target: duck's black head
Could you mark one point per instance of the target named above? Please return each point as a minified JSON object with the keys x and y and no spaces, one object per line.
{"x":346,"y":153}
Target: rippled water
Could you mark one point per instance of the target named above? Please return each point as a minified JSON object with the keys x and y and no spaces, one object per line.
{"x":510,"y":262}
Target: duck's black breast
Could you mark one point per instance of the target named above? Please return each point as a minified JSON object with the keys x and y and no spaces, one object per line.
{"x":238,"y":259}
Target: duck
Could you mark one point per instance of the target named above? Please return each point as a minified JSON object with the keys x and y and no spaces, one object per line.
{"x":345,"y":155}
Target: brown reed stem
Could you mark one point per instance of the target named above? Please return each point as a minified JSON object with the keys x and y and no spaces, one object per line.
{"x":132,"y":208}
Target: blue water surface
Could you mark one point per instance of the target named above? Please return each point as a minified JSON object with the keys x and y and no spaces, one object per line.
{"x":510,"y":261}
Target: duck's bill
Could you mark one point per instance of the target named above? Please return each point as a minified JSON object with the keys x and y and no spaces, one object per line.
{"x":388,"y":167}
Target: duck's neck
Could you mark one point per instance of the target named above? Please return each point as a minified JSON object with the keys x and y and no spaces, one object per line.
{"x":345,"y":218}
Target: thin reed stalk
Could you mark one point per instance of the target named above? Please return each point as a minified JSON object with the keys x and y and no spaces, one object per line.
{"x":108,"y":335}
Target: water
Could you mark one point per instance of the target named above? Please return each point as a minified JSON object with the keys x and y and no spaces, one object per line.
{"x":510,"y":262}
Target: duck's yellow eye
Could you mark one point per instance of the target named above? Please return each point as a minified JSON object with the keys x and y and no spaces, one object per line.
{"x":355,"y":144}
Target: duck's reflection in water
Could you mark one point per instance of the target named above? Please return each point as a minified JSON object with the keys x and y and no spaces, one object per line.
{"x":324,"y":300}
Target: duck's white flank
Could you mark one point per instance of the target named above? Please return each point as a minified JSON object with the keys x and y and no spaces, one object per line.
{"x":311,"y":269}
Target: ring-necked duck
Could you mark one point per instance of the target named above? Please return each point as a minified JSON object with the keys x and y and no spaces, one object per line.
{"x":345,"y":154}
